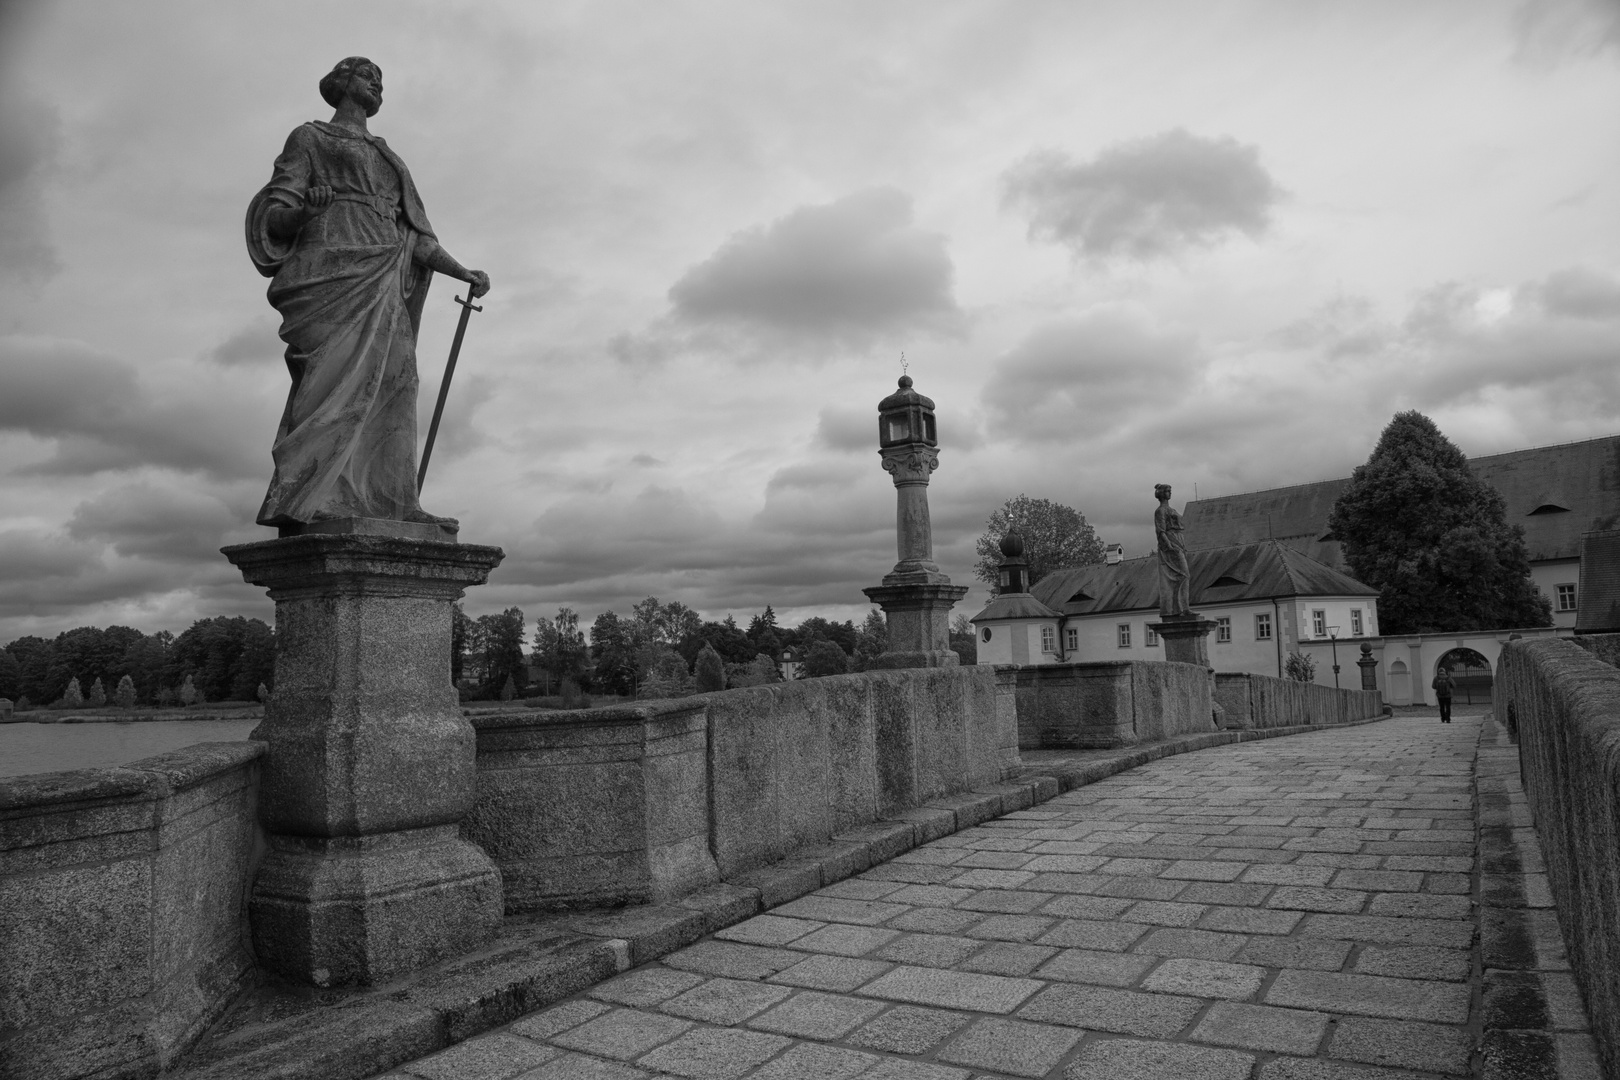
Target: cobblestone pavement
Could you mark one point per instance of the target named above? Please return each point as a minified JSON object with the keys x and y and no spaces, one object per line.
{"x":1294,"y":909}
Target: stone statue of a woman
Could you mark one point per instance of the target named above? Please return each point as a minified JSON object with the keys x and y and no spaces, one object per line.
{"x":1173,"y":573}
{"x":341,"y":233}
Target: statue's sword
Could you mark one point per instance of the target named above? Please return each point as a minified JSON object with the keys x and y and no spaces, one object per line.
{"x":467,"y":308}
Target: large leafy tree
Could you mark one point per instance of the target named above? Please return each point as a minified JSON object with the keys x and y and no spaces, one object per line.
{"x":613,"y":649}
{"x":1417,"y":524}
{"x":497,"y":645}
{"x":559,"y":647}
{"x":1056,"y":537}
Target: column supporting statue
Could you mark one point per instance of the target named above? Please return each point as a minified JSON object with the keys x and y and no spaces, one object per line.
{"x":370,"y":763}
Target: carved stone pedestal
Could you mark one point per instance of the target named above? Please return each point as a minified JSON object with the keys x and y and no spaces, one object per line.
{"x":919,"y":618}
{"x":1186,"y":639}
{"x":370,"y":766}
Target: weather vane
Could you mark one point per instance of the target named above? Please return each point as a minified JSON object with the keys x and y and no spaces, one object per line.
{"x":905,"y":365}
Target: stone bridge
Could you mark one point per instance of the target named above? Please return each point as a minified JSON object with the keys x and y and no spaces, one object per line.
{"x":1350,"y":904}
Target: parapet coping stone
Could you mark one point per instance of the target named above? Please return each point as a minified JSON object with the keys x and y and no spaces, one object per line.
{"x":155,"y":777}
{"x":541,"y":959}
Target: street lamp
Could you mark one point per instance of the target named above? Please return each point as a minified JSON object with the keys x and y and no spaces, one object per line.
{"x":1333,"y":639}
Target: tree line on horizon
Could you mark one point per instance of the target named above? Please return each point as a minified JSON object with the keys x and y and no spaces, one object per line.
{"x":658,"y":650}
{"x":222,"y":659}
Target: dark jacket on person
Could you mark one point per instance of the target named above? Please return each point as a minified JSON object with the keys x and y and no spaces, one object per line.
{"x":1442,"y":685}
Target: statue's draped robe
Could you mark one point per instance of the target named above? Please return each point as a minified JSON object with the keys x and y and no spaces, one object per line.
{"x":1173,"y":571}
{"x":350,"y":299}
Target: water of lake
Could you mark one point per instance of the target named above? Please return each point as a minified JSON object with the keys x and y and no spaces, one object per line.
{"x":36,"y":748}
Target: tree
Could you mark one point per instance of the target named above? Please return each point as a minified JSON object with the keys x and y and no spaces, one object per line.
{"x":816,"y":628}
{"x":460,"y":635}
{"x":559,"y":646}
{"x":124,"y":695}
{"x":508,"y":689}
{"x":824,"y":657}
{"x":613,"y":649}
{"x":98,"y":695}
{"x":73,"y":697}
{"x":10,"y":676}
{"x":871,"y":640}
{"x":711,"y":670}
{"x":1056,"y":537}
{"x":725,"y":638}
{"x":228,"y":658}
{"x":759,"y":671}
{"x":188,"y":692}
{"x":666,"y":624}
{"x":963,"y":640}
{"x":1416,"y":524}
{"x":664,"y":674}
{"x":1301,"y":667}
{"x":761,"y":623}
{"x":497,"y":645}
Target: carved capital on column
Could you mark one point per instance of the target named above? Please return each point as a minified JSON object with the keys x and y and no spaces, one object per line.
{"x":910,"y":463}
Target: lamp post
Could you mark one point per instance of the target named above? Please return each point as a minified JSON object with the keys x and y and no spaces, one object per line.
{"x":1333,"y":639}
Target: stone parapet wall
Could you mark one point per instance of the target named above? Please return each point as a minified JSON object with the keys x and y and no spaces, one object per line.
{"x":1263,"y":701}
{"x":122,"y":910}
{"x":647,"y":802}
{"x":1563,"y":703}
{"x":1106,"y":705}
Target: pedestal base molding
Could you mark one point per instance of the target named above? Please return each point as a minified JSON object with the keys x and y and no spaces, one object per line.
{"x":1186,"y":639}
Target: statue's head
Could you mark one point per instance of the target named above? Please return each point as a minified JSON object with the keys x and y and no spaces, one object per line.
{"x":1161,"y":491}
{"x":357,"y":75}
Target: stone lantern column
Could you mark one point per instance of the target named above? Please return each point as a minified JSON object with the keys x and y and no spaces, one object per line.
{"x":915,"y":596}
{"x":370,"y":767}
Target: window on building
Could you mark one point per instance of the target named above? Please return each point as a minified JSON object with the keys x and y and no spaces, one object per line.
{"x":1319,"y":623}
{"x":1150,"y":637}
{"x":1049,"y":639}
{"x":1262,"y":627}
{"x":1071,"y":639}
{"x":1223,"y":628}
{"x":1566,"y":597}
{"x":1124,"y":635}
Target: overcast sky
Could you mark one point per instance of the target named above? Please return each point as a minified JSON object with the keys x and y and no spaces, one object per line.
{"x":1120,"y":244}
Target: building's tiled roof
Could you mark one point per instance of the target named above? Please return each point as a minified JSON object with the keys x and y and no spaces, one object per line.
{"x":1265,"y":570}
{"x":1015,"y":606}
{"x":1597,"y":606}
{"x":1558,"y":493}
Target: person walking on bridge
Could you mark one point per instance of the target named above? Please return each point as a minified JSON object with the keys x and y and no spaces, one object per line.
{"x":1442,"y":693}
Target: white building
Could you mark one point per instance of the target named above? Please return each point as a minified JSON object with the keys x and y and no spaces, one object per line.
{"x":1557,"y":493}
{"x":1265,"y":598}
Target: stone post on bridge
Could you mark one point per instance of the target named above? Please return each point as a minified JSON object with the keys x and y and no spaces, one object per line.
{"x":371,"y":763}
{"x":1369,"y":668}
{"x":915,"y":596}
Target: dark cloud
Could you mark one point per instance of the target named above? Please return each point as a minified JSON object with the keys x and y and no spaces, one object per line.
{"x":844,"y":270}
{"x":163,"y":523}
{"x":1081,"y":378}
{"x":1550,"y":32}
{"x":1580,"y":292}
{"x":103,"y":418}
{"x":846,"y":428}
{"x":1146,"y":198}
{"x":255,"y":345}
